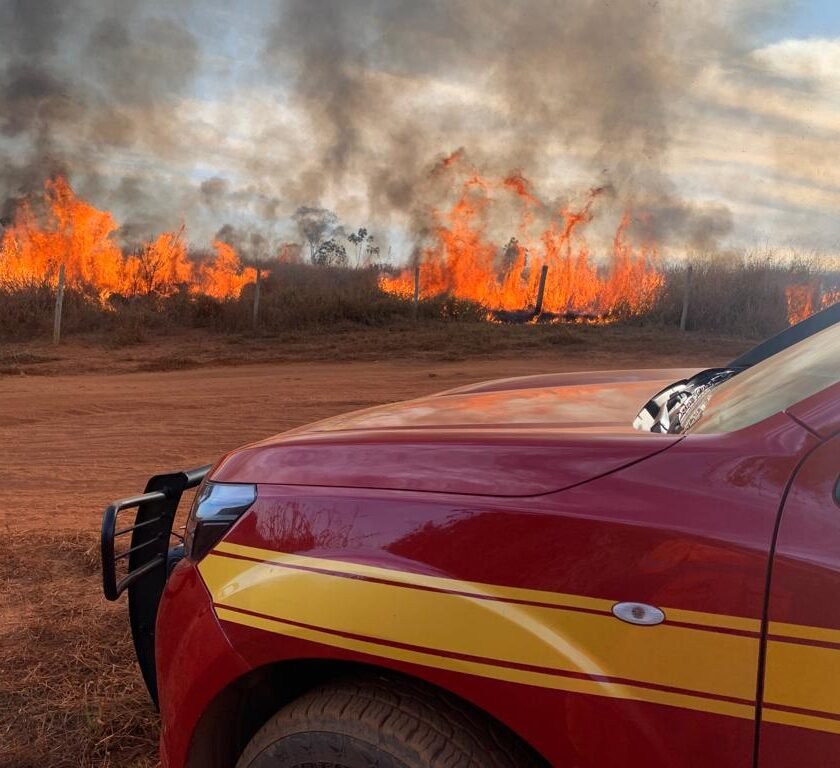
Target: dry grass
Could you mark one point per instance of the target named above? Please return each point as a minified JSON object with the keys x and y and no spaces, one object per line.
{"x":27,"y":309}
{"x":739,"y":294}
{"x":70,"y":695}
{"x":742,"y":295}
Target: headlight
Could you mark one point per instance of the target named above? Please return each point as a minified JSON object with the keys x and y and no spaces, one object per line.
{"x":216,"y":508}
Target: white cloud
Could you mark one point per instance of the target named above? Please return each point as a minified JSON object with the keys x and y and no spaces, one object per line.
{"x":816,"y":59}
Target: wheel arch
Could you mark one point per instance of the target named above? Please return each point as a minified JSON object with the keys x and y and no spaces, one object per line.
{"x":239,"y":710}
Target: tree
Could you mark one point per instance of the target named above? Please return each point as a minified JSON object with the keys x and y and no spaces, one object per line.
{"x":149,"y":264}
{"x":161,"y":265}
{"x":358,"y":239}
{"x":371,"y":251}
{"x":315,"y":224}
{"x":510,"y":255}
{"x":330,"y":254}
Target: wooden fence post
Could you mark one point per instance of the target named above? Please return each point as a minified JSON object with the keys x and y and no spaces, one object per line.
{"x":416,"y":299}
{"x":59,"y":304}
{"x":686,"y":296}
{"x":541,"y":290}
{"x":256,"y":315}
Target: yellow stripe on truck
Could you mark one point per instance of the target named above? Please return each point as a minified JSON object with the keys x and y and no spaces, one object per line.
{"x":801,"y":720}
{"x":803,"y":676}
{"x":488,"y":590}
{"x":498,"y":631}
{"x":507,"y":674}
{"x":709,"y":660}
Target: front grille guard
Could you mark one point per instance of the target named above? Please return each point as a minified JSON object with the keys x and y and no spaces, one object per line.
{"x":148,"y":557}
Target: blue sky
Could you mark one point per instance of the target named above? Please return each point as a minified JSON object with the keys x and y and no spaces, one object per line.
{"x":812,"y":18}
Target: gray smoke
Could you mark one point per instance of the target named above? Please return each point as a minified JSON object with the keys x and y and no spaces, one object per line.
{"x":381,"y":91}
{"x":84,"y":85}
{"x":601,"y":81}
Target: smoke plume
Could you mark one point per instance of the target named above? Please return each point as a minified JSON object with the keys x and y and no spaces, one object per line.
{"x":357,"y":103}
{"x":86,"y":90}
{"x":600,"y":83}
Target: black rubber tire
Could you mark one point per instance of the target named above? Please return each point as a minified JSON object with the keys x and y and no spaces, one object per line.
{"x":383,"y":722}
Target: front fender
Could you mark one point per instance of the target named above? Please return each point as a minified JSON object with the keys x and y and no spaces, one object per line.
{"x":195,"y":661}
{"x":561,"y":658}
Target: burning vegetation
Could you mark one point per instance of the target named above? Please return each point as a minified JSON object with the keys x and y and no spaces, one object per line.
{"x":464,"y":272}
{"x":61,"y":229}
{"x":352,"y":105}
{"x":462,"y":260}
{"x":803,"y":299}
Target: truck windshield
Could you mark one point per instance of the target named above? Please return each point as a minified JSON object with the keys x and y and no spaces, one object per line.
{"x":768,"y":387}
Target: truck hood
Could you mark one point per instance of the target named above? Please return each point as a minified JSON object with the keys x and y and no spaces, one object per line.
{"x":511,"y":437}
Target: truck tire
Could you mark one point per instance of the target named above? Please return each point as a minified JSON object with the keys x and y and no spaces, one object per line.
{"x":385,"y":722}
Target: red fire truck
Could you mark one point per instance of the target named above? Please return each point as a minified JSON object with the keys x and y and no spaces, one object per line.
{"x":513,"y":573}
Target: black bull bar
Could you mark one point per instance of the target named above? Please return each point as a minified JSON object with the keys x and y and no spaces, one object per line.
{"x":149,"y":556}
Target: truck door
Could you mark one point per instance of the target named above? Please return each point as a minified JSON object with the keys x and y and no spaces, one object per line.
{"x":800,"y":718}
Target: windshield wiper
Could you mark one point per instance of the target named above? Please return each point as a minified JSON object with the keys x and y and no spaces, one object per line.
{"x":665,"y":411}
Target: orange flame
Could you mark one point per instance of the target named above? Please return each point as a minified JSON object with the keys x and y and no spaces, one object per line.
{"x":803,"y":299}
{"x":78,"y":235}
{"x":465,"y":263}
{"x":74,"y":234}
{"x":224,"y":276}
{"x":160,"y":266}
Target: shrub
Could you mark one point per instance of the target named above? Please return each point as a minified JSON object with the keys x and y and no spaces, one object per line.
{"x":730,"y":294}
{"x":27,"y":309}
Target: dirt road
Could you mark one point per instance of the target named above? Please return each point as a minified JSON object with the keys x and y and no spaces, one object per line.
{"x":68,"y":444}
